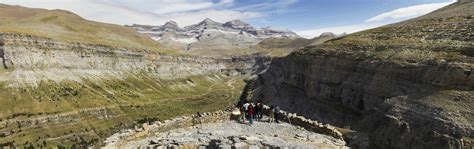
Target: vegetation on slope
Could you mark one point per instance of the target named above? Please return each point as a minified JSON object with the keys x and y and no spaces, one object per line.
{"x":283,"y":46}
{"x":68,"y":27}
{"x":92,"y":110}
{"x":445,"y":33}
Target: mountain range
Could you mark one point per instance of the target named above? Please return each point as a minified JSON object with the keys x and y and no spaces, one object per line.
{"x":233,"y":37}
{"x":209,"y":34}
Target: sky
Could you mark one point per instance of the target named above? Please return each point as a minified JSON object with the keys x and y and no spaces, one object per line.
{"x":308,"y":18}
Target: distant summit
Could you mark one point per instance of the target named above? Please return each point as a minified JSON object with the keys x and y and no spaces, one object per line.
{"x":209,"y":34}
{"x":171,"y":25}
{"x":328,"y":34}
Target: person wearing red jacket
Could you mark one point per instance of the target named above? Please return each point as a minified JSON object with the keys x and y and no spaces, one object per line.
{"x":250,"y":113}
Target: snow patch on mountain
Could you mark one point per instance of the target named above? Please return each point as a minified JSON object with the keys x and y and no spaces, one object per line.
{"x":212,"y":35}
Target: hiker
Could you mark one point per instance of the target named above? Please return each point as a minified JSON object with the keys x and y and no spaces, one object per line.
{"x":250,"y":113}
{"x":276,"y":112}
{"x":245,"y":111}
{"x":242,"y":114}
{"x":246,"y":107}
{"x":240,"y":105}
{"x":258,"y":111}
{"x":271,"y":114}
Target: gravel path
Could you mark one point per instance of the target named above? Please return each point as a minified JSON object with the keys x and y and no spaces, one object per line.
{"x":232,"y":134}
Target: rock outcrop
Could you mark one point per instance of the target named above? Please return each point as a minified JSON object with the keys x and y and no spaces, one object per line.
{"x":406,"y":85}
{"x":214,"y":130}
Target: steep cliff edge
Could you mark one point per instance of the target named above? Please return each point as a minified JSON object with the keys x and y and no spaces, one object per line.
{"x":406,"y":85}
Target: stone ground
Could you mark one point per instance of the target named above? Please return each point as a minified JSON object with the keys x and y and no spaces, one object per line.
{"x":232,"y":134}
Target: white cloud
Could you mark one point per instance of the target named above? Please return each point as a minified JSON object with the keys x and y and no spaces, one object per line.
{"x":379,"y":20}
{"x":272,"y":6}
{"x":180,"y":7}
{"x":409,"y":12}
{"x":311,"y":33}
{"x":151,"y":12}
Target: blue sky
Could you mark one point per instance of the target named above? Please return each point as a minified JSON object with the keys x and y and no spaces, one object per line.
{"x":325,"y":13}
{"x":308,"y":18}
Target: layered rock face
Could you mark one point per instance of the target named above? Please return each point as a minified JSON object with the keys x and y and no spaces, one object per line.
{"x":209,"y":34}
{"x":24,"y":53}
{"x":407,"y":85}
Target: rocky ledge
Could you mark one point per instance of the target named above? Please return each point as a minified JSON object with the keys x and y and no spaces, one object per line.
{"x":232,"y":134}
{"x":213,"y":129}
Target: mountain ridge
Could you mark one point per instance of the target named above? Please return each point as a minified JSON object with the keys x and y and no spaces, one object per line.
{"x":212,"y":36}
{"x":66,"y":26}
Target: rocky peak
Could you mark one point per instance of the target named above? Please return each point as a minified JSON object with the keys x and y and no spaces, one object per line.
{"x":209,"y":22}
{"x":171,"y":24}
{"x":328,"y":34}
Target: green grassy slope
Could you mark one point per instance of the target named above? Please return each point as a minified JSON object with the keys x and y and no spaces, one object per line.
{"x":127,"y":102}
{"x":284,"y":46}
{"x":68,"y":27}
{"x":445,"y":33}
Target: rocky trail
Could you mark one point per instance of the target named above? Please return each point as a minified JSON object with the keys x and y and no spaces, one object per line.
{"x":233,"y":134}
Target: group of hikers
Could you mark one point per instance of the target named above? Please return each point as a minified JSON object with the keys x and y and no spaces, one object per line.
{"x":250,"y":112}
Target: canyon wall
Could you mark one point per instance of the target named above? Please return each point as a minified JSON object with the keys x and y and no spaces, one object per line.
{"x":400,"y":105}
{"x":45,"y":59}
{"x":404,"y":85}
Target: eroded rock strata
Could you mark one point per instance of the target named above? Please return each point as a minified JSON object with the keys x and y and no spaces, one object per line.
{"x":29,"y":52}
{"x":407,"y":85}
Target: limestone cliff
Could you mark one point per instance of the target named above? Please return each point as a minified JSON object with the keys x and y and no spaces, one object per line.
{"x":406,"y":85}
{"x":24,"y":53}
